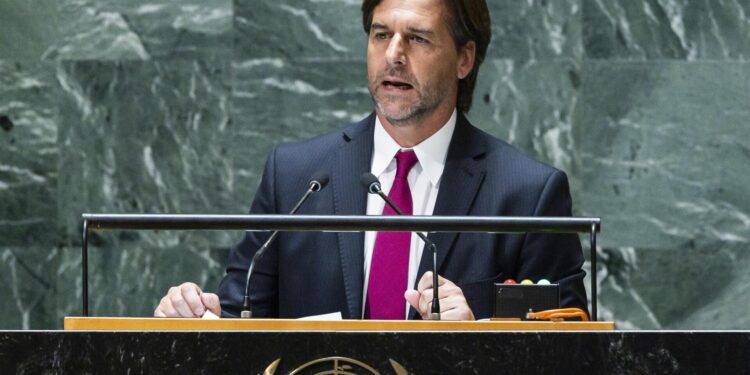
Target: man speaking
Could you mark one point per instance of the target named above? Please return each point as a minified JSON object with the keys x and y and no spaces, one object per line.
{"x":423,"y":58}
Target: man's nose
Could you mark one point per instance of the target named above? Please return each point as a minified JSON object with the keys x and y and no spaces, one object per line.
{"x":396,"y":53}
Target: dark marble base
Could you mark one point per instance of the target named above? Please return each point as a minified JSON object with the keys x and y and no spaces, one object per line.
{"x":625,"y":352}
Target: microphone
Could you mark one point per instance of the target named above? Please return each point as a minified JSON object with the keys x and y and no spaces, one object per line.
{"x":318,"y":181}
{"x":372,"y":184}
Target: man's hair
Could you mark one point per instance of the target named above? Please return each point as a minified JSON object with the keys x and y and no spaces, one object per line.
{"x":469,"y":21}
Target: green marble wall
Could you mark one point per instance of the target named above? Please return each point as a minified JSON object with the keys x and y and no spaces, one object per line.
{"x":168,"y":106}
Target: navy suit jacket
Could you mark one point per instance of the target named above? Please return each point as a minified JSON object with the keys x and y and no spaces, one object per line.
{"x":311,"y":273}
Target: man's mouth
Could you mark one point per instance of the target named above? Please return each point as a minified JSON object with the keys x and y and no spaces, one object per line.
{"x":397,"y":85}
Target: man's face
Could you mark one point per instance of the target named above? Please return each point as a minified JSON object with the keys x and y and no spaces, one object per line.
{"x":413,"y":66}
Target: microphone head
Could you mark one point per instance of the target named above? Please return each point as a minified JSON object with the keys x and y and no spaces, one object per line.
{"x":370,"y":182}
{"x":319,"y":180}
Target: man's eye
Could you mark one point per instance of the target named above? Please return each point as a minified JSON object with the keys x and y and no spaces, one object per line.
{"x":419,"y":39}
{"x":381,"y":36}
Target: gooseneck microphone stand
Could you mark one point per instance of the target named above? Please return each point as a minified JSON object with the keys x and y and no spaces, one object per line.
{"x":317,"y":183}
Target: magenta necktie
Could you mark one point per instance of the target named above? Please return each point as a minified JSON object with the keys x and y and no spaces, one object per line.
{"x":389,"y":267}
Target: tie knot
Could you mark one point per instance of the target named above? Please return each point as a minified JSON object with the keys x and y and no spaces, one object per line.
{"x":405,"y":160}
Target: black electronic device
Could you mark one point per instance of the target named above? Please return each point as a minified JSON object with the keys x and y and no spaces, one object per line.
{"x":515,"y":300}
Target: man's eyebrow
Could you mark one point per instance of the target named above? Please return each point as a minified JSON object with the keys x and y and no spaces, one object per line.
{"x":417,"y":30}
{"x":411,"y":29}
{"x":378,"y":26}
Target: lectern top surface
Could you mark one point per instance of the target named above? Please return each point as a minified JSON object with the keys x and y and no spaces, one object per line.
{"x":167,"y":324}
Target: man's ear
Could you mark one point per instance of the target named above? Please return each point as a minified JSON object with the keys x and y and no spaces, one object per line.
{"x":466,"y":57}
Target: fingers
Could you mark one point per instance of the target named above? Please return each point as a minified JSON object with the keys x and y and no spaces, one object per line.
{"x":426,"y":281}
{"x":445,"y":288}
{"x":164,"y":310}
{"x":412,"y":296}
{"x":191,"y":295}
{"x":211,"y":302}
{"x":182,"y":301}
{"x":424,"y":287}
{"x":453,"y":305}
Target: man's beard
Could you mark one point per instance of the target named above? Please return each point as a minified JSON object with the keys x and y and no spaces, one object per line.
{"x":407,"y":113}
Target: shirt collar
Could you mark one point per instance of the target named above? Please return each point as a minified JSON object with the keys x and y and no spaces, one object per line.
{"x":431,"y":152}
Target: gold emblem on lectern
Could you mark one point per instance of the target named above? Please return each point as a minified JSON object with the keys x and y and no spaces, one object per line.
{"x":335,"y":366}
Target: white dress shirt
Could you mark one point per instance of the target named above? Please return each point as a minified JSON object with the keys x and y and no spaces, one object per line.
{"x":424,"y":182}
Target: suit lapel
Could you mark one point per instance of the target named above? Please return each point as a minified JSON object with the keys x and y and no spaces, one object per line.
{"x":463,"y":175}
{"x":352,"y":159}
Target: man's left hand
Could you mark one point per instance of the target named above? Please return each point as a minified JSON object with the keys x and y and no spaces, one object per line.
{"x":453,"y":305}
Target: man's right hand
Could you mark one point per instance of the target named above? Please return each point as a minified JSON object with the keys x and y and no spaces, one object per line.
{"x":187,"y":301}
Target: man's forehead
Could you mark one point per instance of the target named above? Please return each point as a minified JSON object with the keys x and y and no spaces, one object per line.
{"x":410,"y":13}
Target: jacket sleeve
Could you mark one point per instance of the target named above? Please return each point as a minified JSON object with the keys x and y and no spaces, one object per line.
{"x":556,"y":257}
{"x":264,"y":282}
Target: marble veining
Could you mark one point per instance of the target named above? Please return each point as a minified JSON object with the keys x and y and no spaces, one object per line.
{"x":535,"y":29}
{"x":142,"y":30}
{"x":675,"y":29}
{"x":672,"y":352}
